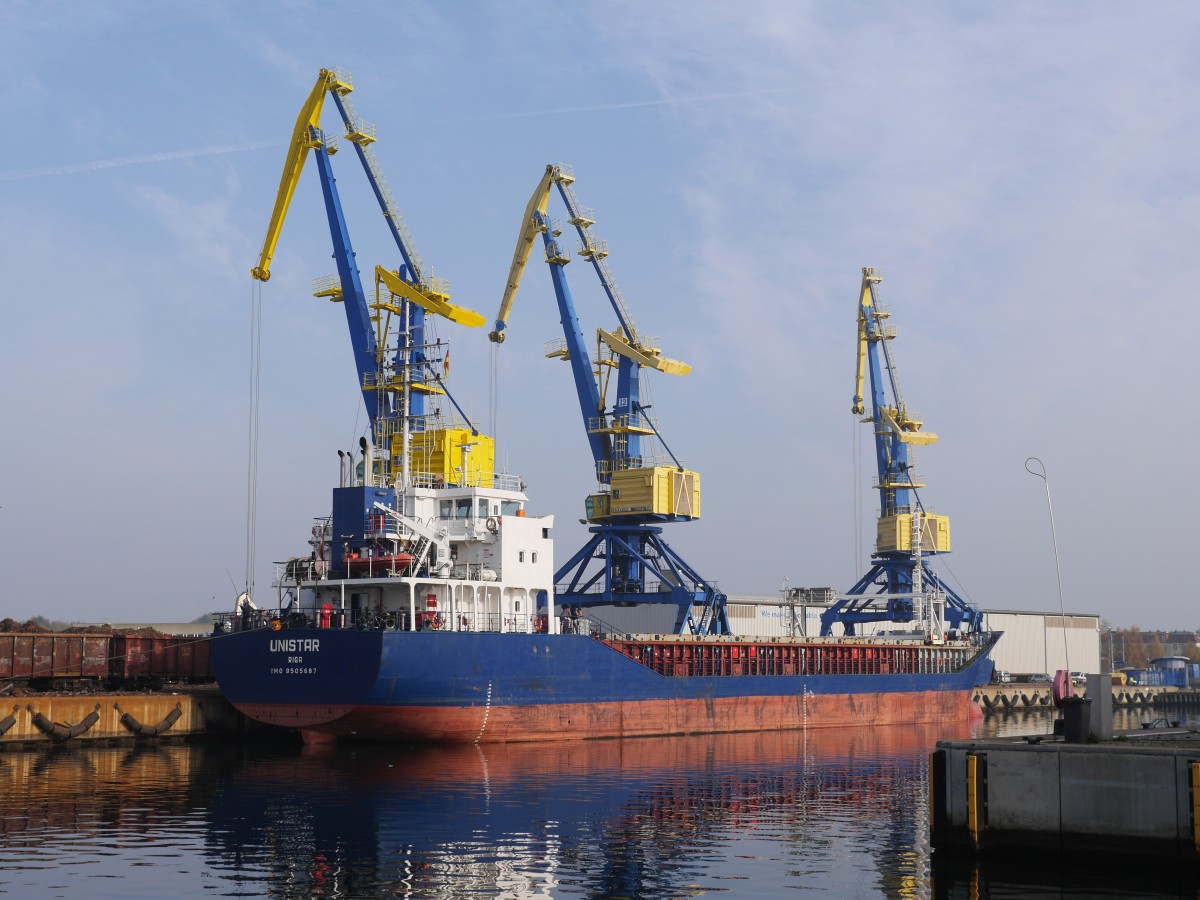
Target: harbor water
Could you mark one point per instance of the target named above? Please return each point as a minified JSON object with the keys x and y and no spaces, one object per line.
{"x":819,"y":813}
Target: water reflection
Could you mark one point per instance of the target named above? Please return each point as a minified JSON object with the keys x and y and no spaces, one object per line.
{"x":653,"y":817}
{"x":1020,"y":879}
{"x":831,"y":813}
{"x":69,"y":788}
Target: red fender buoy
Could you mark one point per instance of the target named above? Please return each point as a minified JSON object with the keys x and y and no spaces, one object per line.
{"x":1064,"y":687}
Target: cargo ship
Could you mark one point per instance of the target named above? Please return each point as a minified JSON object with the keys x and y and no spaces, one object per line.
{"x":428,"y":607}
{"x":437,"y":624}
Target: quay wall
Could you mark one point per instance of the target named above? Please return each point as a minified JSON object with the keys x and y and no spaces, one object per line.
{"x":1031,"y":696}
{"x":1128,"y":797}
{"x":57,"y":718}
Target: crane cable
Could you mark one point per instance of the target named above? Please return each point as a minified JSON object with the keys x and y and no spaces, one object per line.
{"x":252,"y":429}
{"x":493,"y":387}
{"x":856,"y":457}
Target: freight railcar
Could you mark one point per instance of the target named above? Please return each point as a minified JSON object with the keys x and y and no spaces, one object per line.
{"x":64,"y":661}
{"x":154,"y":660}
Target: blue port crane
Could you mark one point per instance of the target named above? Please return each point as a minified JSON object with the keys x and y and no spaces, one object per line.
{"x":906,"y":589}
{"x":399,"y":368}
{"x":626,"y":560}
{"x":411,"y":284}
{"x":408,"y":292}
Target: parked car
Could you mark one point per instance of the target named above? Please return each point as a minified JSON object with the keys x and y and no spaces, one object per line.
{"x":1002,"y":677}
{"x":1040,"y":679}
{"x":1079,"y":678}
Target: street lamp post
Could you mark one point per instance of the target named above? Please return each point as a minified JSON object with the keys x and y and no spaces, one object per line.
{"x":1057,"y":568}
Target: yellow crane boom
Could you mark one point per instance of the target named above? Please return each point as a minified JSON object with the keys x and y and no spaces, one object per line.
{"x":302,"y":141}
{"x":529,"y":232}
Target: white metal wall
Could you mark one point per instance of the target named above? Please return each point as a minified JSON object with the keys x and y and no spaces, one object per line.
{"x":1034,"y":642}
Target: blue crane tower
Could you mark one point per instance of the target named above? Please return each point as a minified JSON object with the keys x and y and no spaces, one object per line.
{"x":626,"y":561}
{"x":906,"y":588}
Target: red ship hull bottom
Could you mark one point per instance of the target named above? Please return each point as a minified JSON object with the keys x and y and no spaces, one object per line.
{"x":579,"y":721}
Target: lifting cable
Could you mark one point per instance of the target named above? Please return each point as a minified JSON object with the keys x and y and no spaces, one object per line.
{"x":856,"y":457}
{"x":252,"y":431}
{"x":493,"y":387}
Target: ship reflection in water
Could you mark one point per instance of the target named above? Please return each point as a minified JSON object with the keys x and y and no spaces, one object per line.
{"x":653,"y":817}
{"x":836,"y":814}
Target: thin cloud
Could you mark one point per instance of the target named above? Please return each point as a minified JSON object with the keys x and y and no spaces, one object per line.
{"x":668,"y":101}
{"x":96,"y":165}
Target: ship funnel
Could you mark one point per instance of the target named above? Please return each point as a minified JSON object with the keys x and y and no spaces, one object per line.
{"x":368,"y":461}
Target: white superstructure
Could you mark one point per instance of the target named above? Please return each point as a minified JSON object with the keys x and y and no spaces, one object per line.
{"x":458,"y":558}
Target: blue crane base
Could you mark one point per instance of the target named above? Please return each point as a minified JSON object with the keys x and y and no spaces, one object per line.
{"x":893,"y":575}
{"x":627,"y":565}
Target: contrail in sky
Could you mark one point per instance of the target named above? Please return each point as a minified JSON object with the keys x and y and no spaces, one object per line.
{"x":134,"y":160}
{"x":98,"y":164}
{"x":669,"y":101}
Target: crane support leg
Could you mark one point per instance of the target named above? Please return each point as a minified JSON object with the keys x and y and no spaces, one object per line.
{"x":893,"y":599}
{"x":630,"y":565}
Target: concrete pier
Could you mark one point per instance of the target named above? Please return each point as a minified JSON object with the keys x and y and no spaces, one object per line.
{"x":56,"y":718}
{"x":1136,"y":795}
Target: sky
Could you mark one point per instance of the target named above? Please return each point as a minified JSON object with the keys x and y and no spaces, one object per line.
{"x":1022,"y":174}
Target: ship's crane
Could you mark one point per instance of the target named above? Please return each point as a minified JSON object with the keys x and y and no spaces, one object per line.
{"x":625,"y":561}
{"x":398,"y":365}
{"x":907,"y":589}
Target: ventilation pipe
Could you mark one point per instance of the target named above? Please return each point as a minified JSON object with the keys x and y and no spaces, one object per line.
{"x":341,"y":468}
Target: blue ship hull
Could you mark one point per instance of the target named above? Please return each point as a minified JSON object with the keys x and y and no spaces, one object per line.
{"x":465,"y":686}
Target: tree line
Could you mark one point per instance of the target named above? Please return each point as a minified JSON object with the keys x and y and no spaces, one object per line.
{"x":1131,"y":647}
